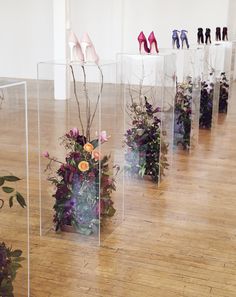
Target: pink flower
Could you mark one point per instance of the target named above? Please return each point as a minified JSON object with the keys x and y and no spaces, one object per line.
{"x":103,"y":137}
{"x":73,"y":133}
{"x":96,"y":155}
{"x":45,"y":154}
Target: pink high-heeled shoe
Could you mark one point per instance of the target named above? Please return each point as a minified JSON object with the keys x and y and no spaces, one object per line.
{"x":143,"y":48}
{"x":153,"y":44}
{"x":88,"y":50}
{"x":76,"y":53}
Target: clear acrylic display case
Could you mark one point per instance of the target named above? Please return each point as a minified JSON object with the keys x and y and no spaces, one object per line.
{"x":81,"y":192}
{"x":210,"y":86}
{"x":14,"y":187}
{"x":233,"y":63}
{"x":147,"y":87}
{"x":189,"y":69}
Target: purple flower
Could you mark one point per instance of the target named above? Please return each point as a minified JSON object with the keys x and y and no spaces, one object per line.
{"x":71,"y":203}
{"x":61,"y":192}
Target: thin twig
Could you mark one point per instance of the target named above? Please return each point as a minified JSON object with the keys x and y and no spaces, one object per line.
{"x":88,"y":113}
{"x":98,"y":99}
{"x":77,"y":100}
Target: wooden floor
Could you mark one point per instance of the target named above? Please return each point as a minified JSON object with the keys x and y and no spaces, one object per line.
{"x":176,"y":241}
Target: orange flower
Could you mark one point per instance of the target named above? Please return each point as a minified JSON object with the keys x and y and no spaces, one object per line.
{"x":88,"y":147}
{"x":96,"y":155}
{"x":83,"y":166}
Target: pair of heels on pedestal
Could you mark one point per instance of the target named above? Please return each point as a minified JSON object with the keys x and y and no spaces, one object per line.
{"x":143,"y":47}
{"x":83,"y":51}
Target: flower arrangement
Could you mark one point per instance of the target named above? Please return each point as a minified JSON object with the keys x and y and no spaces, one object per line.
{"x":84,"y":182}
{"x":224,"y":93}
{"x":145,"y":151}
{"x":183,"y":113}
{"x":9,"y":264}
{"x":206,"y":104}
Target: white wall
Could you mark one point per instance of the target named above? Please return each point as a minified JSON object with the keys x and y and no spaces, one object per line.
{"x":26,"y":26}
{"x":105,"y":19}
{"x":163,"y":16}
{"x":26,"y":36}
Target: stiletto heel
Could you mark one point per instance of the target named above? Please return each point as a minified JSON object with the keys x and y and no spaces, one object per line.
{"x":153,"y":44}
{"x":88,"y":50}
{"x":143,"y":48}
{"x":75,"y":48}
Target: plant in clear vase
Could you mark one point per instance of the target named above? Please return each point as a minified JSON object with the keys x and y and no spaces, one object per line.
{"x":183,"y":113}
{"x":224,"y":93}
{"x":84,"y":182}
{"x":9,"y":259}
{"x":146,"y":150}
{"x":206,"y":104}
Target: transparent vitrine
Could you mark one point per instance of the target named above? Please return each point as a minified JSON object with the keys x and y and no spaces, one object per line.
{"x":189,"y":69}
{"x":14,"y":187}
{"x":147,"y":87}
{"x":210,"y":86}
{"x":220,"y":58}
{"x":81,"y":193}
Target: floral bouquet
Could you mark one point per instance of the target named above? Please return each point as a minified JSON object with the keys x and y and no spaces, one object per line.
{"x":83,"y":184}
{"x":206,"y":105}
{"x":9,"y":265}
{"x":183,"y":113}
{"x":146,"y":152}
{"x":224,"y":93}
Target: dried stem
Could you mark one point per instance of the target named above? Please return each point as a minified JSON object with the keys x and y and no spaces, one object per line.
{"x":88,"y":112}
{"x":76,"y":98}
{"x":99,"y":96}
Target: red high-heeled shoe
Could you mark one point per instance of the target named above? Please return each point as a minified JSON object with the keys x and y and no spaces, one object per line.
{"x":153,"y":44}
{"x":143,"y":47}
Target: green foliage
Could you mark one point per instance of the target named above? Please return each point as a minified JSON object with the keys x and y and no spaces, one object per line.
{"x":9,"y":264}
{"x":10,"y":190}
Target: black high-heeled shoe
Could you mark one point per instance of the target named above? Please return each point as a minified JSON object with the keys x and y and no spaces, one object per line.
{"x":225,"y":34}
{"x":200,"y":37}
{"x":218,"y":34}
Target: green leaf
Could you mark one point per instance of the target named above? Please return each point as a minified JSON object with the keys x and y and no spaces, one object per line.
{"x":111,"y":211}
{"x":19,"y":259}
{"x":16,"y":253}
{"x":11,"y":201}
{"x":1,"y":181}
{"x":11,"y":178}
{"x":94,"y":143}
{"x":15,"y":266}
{"x":8,"y":190}
{"x":20,"y":199}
